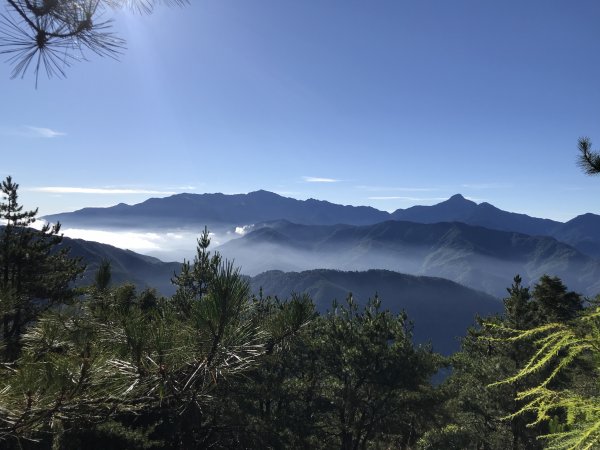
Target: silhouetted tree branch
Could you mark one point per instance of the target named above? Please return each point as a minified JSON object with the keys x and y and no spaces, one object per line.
{"x":588,"y":160}
{"x":50,"y":35}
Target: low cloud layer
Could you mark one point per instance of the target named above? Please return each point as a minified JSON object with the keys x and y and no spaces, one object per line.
{"x":169,"y":245}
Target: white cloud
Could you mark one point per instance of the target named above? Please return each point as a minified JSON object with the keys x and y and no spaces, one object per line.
{"x":101,"y":191}
{"x":127,"y":240}
{"x":319,"y":180}
{"x":243,"y":230}
{"x":44,"y":132}
{"x":167,"y":245}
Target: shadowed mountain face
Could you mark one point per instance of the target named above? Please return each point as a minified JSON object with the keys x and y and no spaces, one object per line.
{"x":477,"y":257}
{"x":441,"y":310}
{"x":582,"y":232}
{"x":127,"y":266}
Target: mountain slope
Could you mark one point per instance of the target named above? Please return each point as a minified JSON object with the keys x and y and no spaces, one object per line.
{"x":441,"y":310}
{"x":127,"y":266}
{"x":478,"y":257}
{"x":582,"y":232}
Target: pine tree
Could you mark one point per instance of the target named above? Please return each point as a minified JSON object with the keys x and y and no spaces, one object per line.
{"x":36,"y":272}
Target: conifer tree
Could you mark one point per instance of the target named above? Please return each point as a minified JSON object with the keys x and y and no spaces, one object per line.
{"x":36,"y":272}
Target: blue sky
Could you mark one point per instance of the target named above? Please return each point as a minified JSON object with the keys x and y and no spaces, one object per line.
{"x":382,"y":103}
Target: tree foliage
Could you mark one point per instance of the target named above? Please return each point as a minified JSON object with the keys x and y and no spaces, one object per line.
{"x":36,"y":272}
{"x":213,"y":366}
{"x":480,"y":412}
{"x":50,"y":35}
{"x":588,"y":160}
{"x":573,"y":408}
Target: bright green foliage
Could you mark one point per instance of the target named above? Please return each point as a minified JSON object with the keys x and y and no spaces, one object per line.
{"x":482,"y":412}
{"x":36,"y":273}
{"x":573,"y":409}
{"x":474,"y":412}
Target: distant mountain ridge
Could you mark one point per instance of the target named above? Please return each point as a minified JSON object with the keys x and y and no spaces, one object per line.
{"x":459,"y":209}
{"x":206,"y":209}
{"x":477,"y":257}
{"x":217,"y":210}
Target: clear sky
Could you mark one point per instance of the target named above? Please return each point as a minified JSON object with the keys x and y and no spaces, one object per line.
{"x":382,"y":103}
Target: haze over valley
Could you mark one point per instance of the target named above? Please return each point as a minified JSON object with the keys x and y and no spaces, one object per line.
{"x":477,"y":245}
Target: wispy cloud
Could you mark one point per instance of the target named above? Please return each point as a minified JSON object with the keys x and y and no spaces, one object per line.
{"x":100,"y":191}
{"x":319,"y":180}
{"x":487,"y":185}
{"x":31,"y":132}
{"x":411,"y":199}
{"x":45,"y":132}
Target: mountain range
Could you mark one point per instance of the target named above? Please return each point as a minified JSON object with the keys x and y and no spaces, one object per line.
{"x":475,"y":256}
{"x":231,"y":211}
{"x":198,"y":210}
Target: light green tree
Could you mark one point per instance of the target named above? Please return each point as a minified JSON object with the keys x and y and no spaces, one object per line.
{"x":558,"y":383}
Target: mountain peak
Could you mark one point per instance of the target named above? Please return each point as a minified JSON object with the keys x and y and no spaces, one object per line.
{"x":457,"y":197}
{"x":261,"y":193}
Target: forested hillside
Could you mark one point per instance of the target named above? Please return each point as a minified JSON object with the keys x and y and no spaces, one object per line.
{"x":440,"y":310}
